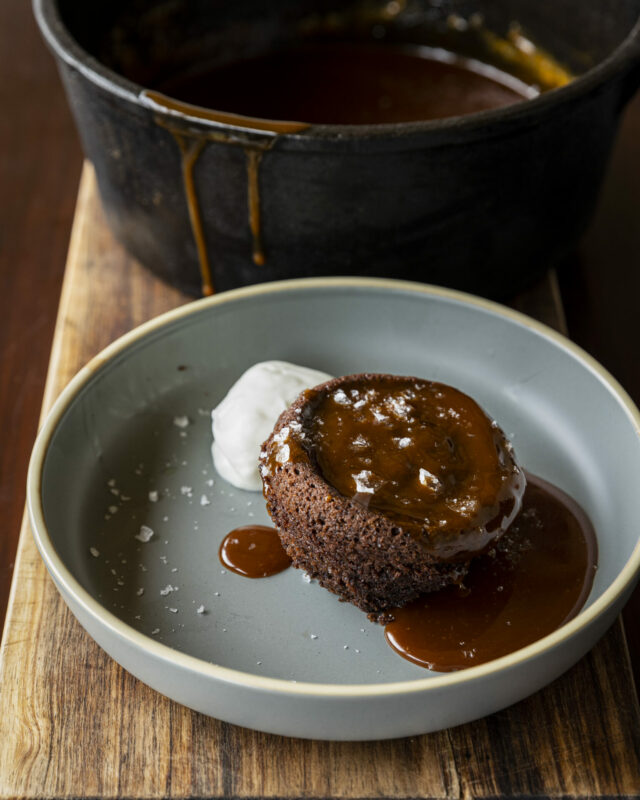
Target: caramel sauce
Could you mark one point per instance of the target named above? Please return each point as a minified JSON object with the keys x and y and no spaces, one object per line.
{"x":347,"y":83}
{"x":422,"y":453}
{"x":538,"y":578}
{"x":253,"y":551}
{"x":198,"y":106}
{"x":193,"y":142}
{"x":253,"y":171}
{"x":191,"y":149}
{"x":351,"y":83}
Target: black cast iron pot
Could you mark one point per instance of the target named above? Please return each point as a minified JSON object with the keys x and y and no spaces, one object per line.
{"x":484,"y":202}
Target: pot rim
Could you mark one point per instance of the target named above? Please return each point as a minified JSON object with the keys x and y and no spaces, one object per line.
{"x":625,"y":56}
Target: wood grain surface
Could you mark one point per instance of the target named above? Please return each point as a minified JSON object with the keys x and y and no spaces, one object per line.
{"x":74,"y":724}
{"x":40,"y":161}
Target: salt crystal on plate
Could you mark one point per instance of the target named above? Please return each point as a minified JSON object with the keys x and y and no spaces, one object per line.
{"x":145,"y":534}
{"x":181,"y":422}
{"x":94,"y":552}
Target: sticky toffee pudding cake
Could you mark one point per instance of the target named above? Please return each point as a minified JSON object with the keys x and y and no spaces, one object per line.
{"x":383,"y":487}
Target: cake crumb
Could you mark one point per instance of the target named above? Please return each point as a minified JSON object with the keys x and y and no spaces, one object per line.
{"x":94,"y":552}
{"x":153,"y":496}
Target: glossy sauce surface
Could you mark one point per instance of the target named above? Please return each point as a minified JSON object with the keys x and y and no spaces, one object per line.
{"x":349,"y":83}
{"x":424,"y":454}
{"x":538,"y":579}
{"x":253,"y":551}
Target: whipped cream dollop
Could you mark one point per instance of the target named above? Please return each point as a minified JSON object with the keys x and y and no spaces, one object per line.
{"x":248,"y":413}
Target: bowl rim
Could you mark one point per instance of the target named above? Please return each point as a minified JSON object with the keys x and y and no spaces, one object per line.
{"x":63,"y":44}
{"x":207,"y":670}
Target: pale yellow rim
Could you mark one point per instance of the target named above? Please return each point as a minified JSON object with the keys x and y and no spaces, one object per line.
{"x":276,"y":685}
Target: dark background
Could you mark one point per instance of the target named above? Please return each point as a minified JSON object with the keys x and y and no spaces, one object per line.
{"x":40,"y":162}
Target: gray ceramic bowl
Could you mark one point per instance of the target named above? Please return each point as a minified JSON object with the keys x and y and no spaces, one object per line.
{"x":279,"y":654}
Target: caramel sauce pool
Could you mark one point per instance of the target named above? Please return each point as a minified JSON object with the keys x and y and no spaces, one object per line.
{"x":538,"y":579}
{"x":350,"y":83}
{"x":286,"y":91}
{"x":253,"y":551}
{"x":424,"y":454}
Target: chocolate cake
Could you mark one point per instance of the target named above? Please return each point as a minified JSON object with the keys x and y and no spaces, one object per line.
{"x":383,"y":487}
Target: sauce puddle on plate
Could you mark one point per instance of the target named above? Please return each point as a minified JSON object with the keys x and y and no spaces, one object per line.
{"x":253,"y":551}
{"x":537,"y":578}
{"x":534,"y":580}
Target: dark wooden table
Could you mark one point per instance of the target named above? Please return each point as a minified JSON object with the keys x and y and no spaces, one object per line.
{"x":40,"y":163}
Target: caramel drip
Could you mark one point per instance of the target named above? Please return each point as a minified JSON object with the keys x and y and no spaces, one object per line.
{"x":253,"y":169}
{"x":274,"y":126}
{"x":191,"y":149}
{"x":192,"y":143}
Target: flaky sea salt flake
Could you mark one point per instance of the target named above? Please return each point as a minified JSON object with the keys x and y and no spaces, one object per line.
{"x":145,"y":535}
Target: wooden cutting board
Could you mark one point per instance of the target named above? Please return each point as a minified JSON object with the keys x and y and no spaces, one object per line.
{"x":75,"y":724}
